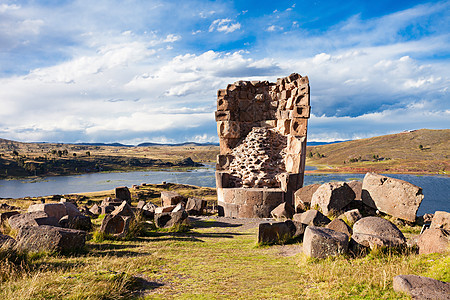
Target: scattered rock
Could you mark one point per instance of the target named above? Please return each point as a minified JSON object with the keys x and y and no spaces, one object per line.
{"x":179,"y":207}
{"x":79,"y":222}
{"x":165,"y":209}
{"x":352,"y":216}
{"x":321,"y":242}
{"x":171,"y":198}
{"x":419,"y":287}
{"x":356,"y":186}
{"x":5,"y":206}
{"x":123,"y":193}
{"x":56,"y":210}
{"x":277,"y":232}
{"x":303,"y":196}
{"x":392,"y":196}
{"x":123,"y":210}
{"x":5,"y":215}
{"x":71,"y":209}
{"x":149,"y":210}
{"x":441,"y":219}
{"x":195,"y":206}
{"x":116,"y":225}
{"x":436,"y":240}
{"x":169,"y":219}
{"x":284,"y":211}
{"x":95,"y":209}
{"x":312,"y":217}
{"x":332,"y":197}
{"x":50,"y":238}
{"x":340,"y":226}
{"x":36,"y":218}
{"x":376,"y":232}
{"x":6,"y":241}
{"x":141,"y":204}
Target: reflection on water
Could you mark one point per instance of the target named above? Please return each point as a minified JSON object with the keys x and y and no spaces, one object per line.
{"x":435,"y":188}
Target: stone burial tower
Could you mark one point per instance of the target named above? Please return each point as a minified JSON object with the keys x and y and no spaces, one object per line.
{"x":262,"y":130}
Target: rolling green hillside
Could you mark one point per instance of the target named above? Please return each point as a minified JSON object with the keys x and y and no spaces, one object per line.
{"x":418,"y":151}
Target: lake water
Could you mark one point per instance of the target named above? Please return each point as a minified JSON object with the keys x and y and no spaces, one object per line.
{"x":435,"y":188}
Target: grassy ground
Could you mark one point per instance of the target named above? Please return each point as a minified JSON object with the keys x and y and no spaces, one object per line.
{"x":215,"y":260}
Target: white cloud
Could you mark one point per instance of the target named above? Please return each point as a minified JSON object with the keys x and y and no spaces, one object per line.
{"x":273,"y":28}
{"x":224,"y":25}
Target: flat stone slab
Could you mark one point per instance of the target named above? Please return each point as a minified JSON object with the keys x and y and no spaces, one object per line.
{"x":419,"y":287}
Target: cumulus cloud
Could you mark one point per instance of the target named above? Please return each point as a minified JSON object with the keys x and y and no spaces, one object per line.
{"x":224,"y":25}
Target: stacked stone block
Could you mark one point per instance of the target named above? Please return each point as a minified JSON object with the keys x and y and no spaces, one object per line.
{"x":262,"y":129}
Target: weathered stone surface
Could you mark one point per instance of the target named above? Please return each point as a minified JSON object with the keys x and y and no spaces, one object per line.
{"x":164,"y":209}
{"x":436,"y":240}
{"x":36,"y":218}
{"x":169,"y":219}
{"x":376,"y":232}
{"x":303,"y":196}
{"x":57,"y":210}
{"x":283,"y":211}
{"x":352,"y":215}
{"x":71,"y":209}
{"x":117,"y":225}
{"x":123,"y":193}
{"x":276,"y":232}
{"x":262,"y":131}
{"x":341,"y":226}
{"x":356,"y":186}
{"x":441,"y":219}
{"x":392,"y":196}
{"x":6,"y":241}
{"x":321,"y":242}
{"x":140,"y":204}
{"x":5,"y":215}
{"x":95,"y":209}
{"x":123,"y":210}
{"x":195,"y":206}
{"x":312,"y":217}
{"x":79,"y":222}
{"x":171,"y":198}
{"x":332,"y":197}
{"x":108,"y":201}
{"x":419,"y":287}
{"x":178,"y":207}
{"x":50,"y":238}
{"x":104,"y":210}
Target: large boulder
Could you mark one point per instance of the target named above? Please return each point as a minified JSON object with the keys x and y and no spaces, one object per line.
{"x":149,"y":210}
{"x":71,"y":209}
{"x":279,"y":232}
{"x":332,"y":197}
{"x":441,"y":219}
{"x":6,"y":241}
{"x":392,"y":196}
{"x":36,"y":218}
{"x":4,"y":216}
{"x":123,"y":193}
{"x":377,"y":232}
{"x":170,"y":219}
{"x":352,"y":216}
{"x":116,"y":225}
{"x":171,"y":198}
{"x":419,"y":287}
{"x":321,"y":242}
{"x":80,"y":222}
{"x":57,"y":210}
{"x":312,"y":217}
{"x":50,"y":238}
{"x":436,"y":240}
{"x":356,"y":186}
{"x":341,"y":226}
{"x":95,"y":210}
{"x":123,"y":210}
{"x":195,"y":206}
{"x":284,"y":211}
{"x":303,"y":196}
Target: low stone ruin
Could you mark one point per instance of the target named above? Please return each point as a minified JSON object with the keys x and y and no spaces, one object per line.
{"x":262,"y":130}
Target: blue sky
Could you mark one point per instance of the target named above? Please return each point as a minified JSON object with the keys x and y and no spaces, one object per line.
{"x":141,"y":71}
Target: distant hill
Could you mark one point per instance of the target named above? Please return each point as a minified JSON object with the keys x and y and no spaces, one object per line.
{"x":192,"y":144}
{"x":323,"y":143}
{"x":412,"y":151}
